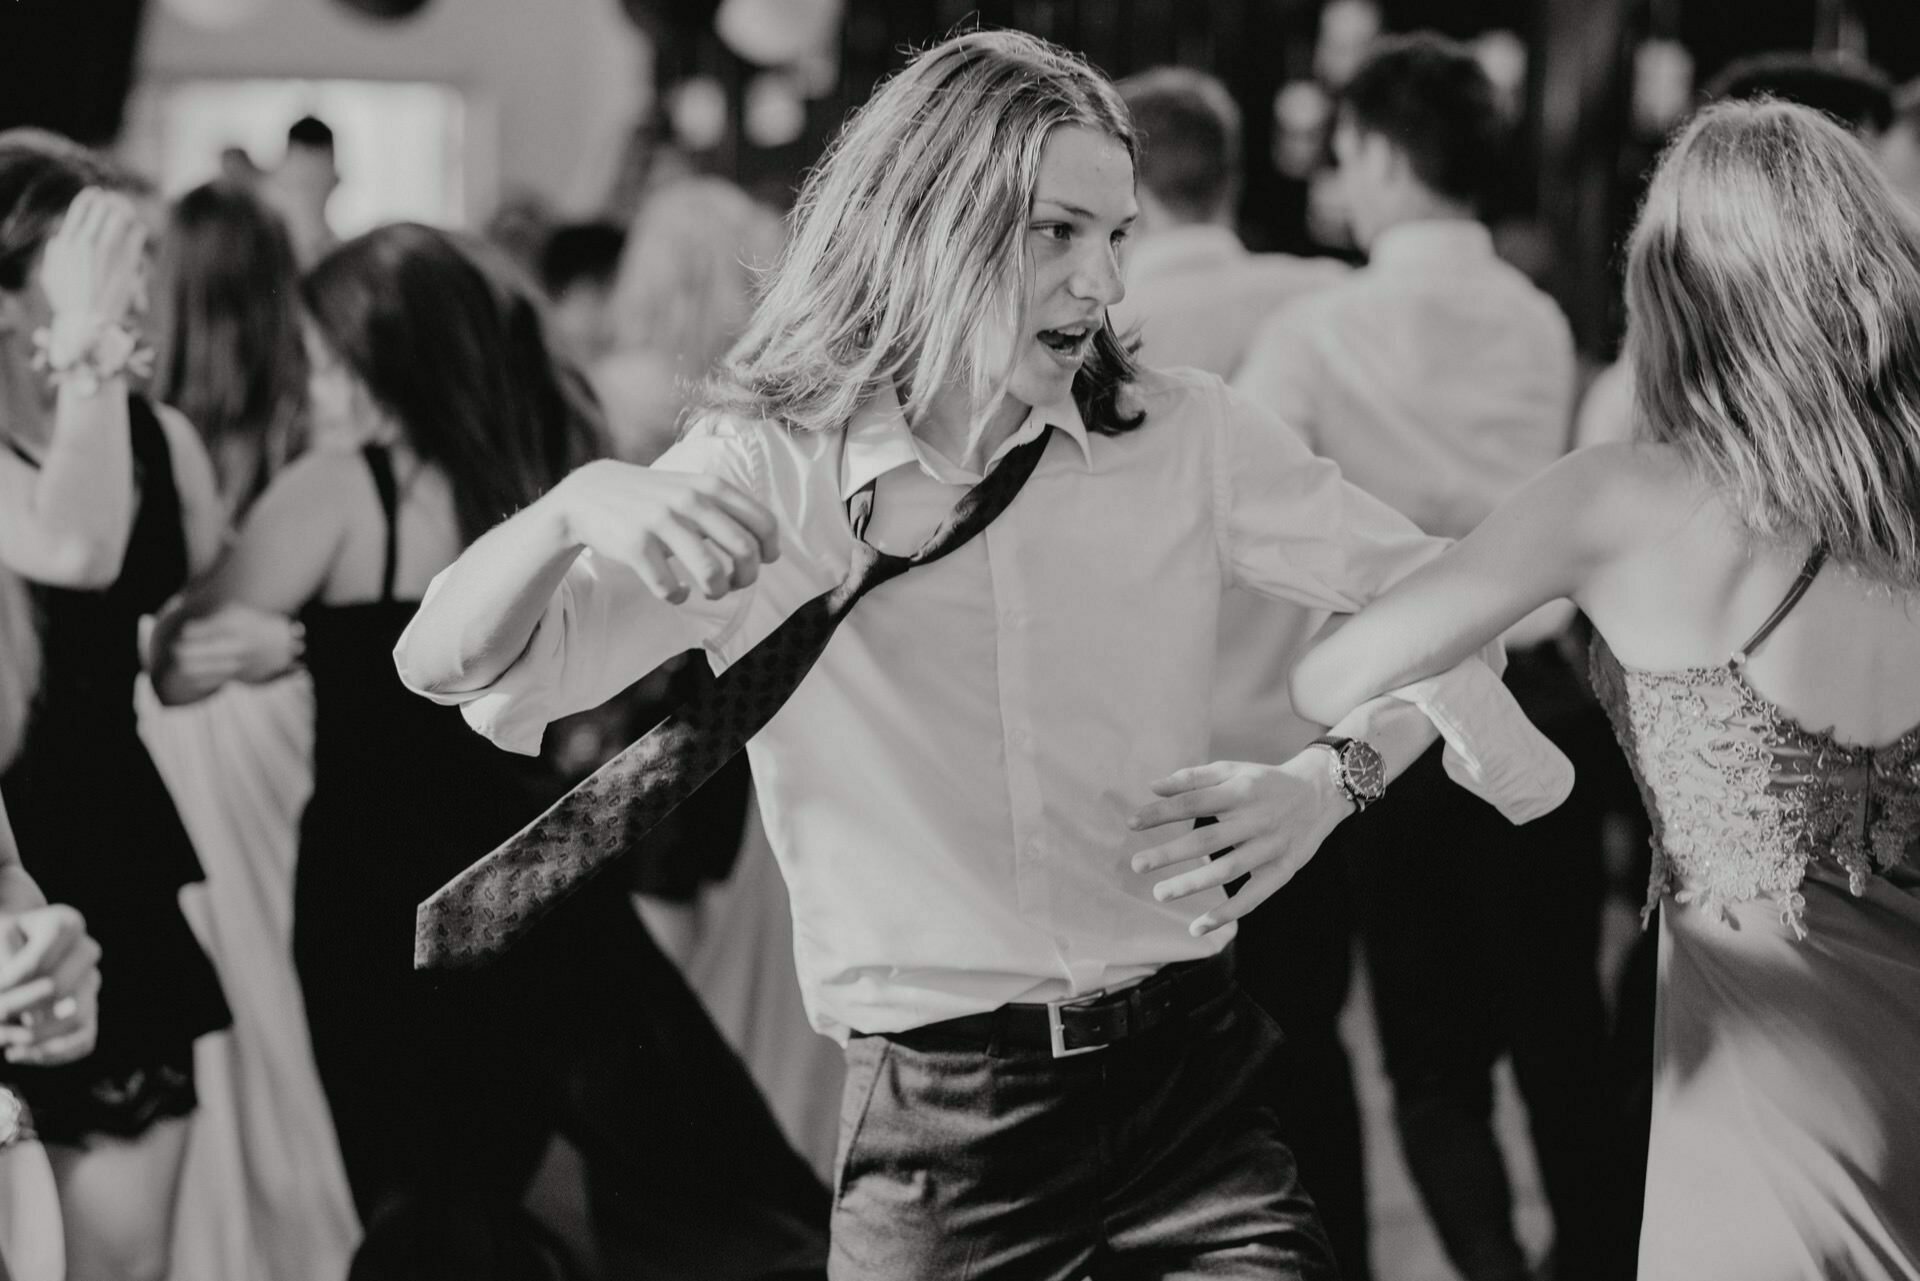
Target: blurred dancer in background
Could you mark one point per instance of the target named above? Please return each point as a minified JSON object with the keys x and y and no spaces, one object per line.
{"x":109,"y":505}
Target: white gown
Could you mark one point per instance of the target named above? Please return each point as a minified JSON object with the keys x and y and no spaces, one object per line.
{"x":263,"y":1193}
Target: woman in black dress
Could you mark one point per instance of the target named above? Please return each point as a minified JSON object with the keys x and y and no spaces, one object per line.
{"x":106,"y":505}
{"x":460,"y":416}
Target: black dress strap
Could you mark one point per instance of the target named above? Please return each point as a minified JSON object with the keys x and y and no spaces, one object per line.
{"x":381,"y":465}
{"x":1808,"y":572}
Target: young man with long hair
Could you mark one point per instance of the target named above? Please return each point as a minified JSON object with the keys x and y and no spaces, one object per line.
{"x":1049,"y":1067}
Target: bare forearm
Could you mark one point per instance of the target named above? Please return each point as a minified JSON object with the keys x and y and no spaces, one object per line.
{"x":487,"y":603}
{"x":79,"y":509}
{"x":18,"y":890}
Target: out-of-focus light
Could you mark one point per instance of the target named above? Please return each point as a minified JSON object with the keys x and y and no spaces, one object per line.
{"x":1503,"y":56}
{"x":1662,"y":85}
{"x":1347,"y":27}
{"x":215,"y":14}
{"x":698,"y":109}
{"x":773,"y":33}
{"x":1302,"y":113}
{"x":773,"y":114}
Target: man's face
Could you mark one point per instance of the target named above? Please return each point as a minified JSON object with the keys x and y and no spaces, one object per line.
{"x":1083,"y":207}
{"x":1368,"y":174}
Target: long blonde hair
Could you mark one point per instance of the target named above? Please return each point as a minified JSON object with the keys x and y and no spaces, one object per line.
{"x":1773,"y":301}
{"x":907,"y":261}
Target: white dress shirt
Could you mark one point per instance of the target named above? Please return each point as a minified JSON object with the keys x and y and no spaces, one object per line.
{"x":1438,"y":376}
{"x":1197,"y":296}
{"x":947,"y":792}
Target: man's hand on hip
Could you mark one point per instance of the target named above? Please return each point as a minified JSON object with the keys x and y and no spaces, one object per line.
{"x":1271,"y":820}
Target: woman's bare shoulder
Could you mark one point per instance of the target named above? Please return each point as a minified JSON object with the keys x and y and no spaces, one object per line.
{"x":1624,"y":492}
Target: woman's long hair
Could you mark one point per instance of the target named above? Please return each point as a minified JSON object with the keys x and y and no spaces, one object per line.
{"x":228,"y":335}
{"x":454,"y":347}
{"x":907,"y":264}
{"x":1773,"y":301}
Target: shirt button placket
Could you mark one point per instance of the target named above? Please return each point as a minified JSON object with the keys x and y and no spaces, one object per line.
{"x":1014,"y":649}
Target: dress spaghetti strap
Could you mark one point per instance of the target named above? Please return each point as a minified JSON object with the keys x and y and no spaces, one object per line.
{"x":1808,"y":572}
{"x":381,"y":465}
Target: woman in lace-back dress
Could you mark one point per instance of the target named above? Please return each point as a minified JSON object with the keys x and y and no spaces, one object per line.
{"x":1752,"y":564}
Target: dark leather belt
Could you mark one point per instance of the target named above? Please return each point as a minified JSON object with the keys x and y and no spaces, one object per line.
{"x":1082,"y":1024}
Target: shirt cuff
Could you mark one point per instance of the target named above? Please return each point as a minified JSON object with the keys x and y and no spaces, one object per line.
{"x":1492,"y":749}
{"x":505,"y":712}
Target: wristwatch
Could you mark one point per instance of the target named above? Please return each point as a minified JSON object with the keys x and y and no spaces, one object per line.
{"x":1357,"y":769}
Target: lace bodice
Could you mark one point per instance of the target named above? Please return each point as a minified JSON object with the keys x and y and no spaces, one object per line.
{"x":1744,"y":798}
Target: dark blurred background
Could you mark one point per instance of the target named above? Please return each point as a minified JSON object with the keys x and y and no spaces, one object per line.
{"x":752,"y":91}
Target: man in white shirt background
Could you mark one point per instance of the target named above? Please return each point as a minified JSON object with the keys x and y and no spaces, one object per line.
{"x":981,"y":795}
{"x":1195,"y":294}
{"x":1441,"y":379}
{"x":1196,"y":297}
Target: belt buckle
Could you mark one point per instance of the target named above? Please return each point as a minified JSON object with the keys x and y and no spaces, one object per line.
{"x":1057,"y":1032}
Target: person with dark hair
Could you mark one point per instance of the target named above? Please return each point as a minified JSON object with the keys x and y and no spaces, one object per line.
{"x":577,"y":268}
{"x":229,"y":354}
{"x":429,"y":350}
{"x":457,"y":419}
{"x":1857,"y":95}
{"x":1441,"y":379}
{"x":302,"y":183}
{"x":107,"y":504}
{"x":1197,"y":297}
{"x":982,"y":793}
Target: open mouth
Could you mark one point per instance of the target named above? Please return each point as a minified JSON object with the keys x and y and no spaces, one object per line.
{"x":1071,"y":341}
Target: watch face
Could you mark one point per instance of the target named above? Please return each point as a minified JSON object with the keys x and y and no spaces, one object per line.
{"x":1366,"y":772}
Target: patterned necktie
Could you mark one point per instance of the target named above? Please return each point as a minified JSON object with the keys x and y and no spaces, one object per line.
{"x":482,"y":911}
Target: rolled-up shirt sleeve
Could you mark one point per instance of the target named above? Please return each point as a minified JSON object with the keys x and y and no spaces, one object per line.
{"x":603,"y":629}
{"x":1291,"y":527}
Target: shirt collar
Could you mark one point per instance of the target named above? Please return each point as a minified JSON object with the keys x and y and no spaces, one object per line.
{"x":1184,"y":247}
{"x":1434,"y":240}
{"x":878,"y":441}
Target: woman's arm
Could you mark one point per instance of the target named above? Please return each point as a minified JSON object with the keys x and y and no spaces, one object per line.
{"x":236,"y":624}
{"x":1544,"y":543}
{"x":67,"y":522}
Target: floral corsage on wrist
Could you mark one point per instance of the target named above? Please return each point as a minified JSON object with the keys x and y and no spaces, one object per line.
{"x":88,"y":356}
{"x":16,"y":1123}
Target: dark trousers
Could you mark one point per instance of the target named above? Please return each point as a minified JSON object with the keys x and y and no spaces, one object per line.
{"x":1296,"y":960}
{"x":587,"y":1035}
{"x":1482,"y":940}
{"x":1157,"y":1157}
